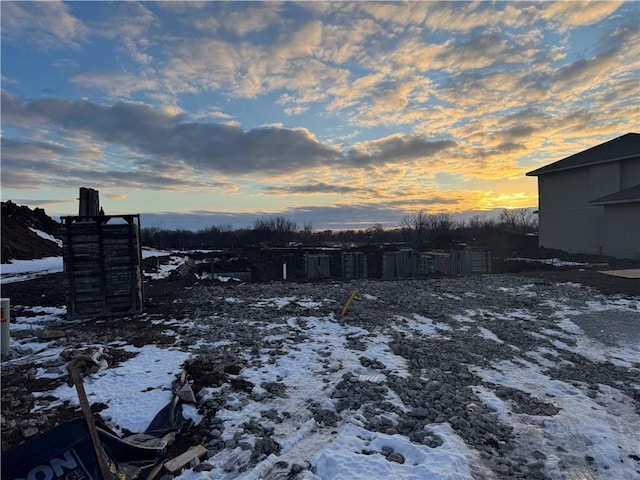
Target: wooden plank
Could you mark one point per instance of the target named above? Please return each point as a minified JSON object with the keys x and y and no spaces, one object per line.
{"x":120,"y":261}
{"x":155,"y":471}
{"x":84,"y":228}
{"x":87,"y":308}
{"x":179,"y":462}
{"x":93,"y":431}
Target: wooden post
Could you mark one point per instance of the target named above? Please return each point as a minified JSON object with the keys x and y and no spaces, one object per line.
{"x":89,"y":202}
{"x":101,"y":457}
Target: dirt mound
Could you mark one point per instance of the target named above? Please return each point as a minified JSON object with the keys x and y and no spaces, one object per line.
{"x":19,"y":242}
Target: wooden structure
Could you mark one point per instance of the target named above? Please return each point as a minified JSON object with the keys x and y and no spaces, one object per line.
{"x":317,"y":266}
{"x":470,"y":261}
{"x":102,"y":265}
{"x":354,"y":265}
{"x":89,"y":202}
{"x":400,"y":264}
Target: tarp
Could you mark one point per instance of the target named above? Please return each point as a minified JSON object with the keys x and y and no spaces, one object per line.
{"x":66,"y":452}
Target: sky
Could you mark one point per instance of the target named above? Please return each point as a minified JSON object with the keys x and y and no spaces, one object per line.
{"x":337,"y":114}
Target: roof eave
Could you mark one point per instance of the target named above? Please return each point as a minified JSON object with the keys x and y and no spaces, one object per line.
{"x":614,"y":202}
{"x":549,"y":168}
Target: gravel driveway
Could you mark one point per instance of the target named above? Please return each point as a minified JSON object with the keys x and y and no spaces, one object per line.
{"x":528,"y":372}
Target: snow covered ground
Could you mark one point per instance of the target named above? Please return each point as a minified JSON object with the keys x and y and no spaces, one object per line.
{"x":480,"y":377}
{"x":21,"y":270}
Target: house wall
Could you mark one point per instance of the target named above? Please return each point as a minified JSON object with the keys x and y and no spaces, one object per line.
{"x":576,"y":230}
{"x":623,"y":230}
{"x":568,"y":222}
{"x":563,"y":190}
{"x":629,"y":173}
{"x":604,"y":179}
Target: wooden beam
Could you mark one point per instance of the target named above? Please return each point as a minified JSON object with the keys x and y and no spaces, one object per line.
{"x":101,"y":457}
{"x":179,"y":462}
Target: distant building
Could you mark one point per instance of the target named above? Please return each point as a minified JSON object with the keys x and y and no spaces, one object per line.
{"x":590,"y":202}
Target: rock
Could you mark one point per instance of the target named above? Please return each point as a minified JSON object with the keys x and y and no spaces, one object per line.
{"x":241,"y":384}
{"x":203,"y":467}
{"x":29,"y":432}
{"x":419,"y":413}
{"x":267,"y":446}
{"x":51,"y":334}
{"x":259,"y":396}
{"x":538,"y":455}
{"x":395,"y":457}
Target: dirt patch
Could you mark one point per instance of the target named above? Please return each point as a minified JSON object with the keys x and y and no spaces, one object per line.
{"x":607,"y":284}
{"x":45,"y":291}
{"x":21,"y":243}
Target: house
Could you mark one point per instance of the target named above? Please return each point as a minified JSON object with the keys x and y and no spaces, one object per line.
{"x":589,"y":202}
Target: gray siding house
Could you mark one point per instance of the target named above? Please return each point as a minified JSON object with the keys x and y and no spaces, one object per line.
{"x":590,"y":202}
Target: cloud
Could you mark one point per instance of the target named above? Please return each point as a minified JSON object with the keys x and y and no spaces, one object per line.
{"x":396,"y":149}
{"x":241,"y":19}
{"x":29,"y":165}
{"x":117,"y":196}
{"x":45,"y":25}
{"x":312,"y":189}
{"x":43,"y":203}
{"x":117,"y":84}
{"x":159,"y":148}
{"x":568,"y":15}
{"x":130,"y":23}
{"x":166,"y":139}
{"x":39,"y":165}
{"x":140,"y":146}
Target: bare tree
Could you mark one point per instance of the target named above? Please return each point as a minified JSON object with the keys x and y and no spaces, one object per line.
{"x":275,"y":229}
{"x":440,"y":224}
{"x":374,"y":231}
{"x":519,"y":219}
{"x":479,"y":223}
{"x":417,"y":226}
{"x":307,"y":230}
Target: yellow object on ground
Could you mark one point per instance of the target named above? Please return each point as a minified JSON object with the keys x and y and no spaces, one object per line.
{"x":349,"y":302}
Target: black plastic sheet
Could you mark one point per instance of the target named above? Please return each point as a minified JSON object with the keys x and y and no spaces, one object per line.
{"x":66,"y":451}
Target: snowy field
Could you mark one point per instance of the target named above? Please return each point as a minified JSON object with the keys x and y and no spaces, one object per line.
{"x":21,"y":270}
{"x":476,"y":378}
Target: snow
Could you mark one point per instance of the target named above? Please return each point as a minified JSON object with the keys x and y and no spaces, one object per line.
{"x":134,"y":391}
{"x":356,"y":454}
{"x":422,"y":325}
{"x":582,"y":425}
{"x":21,"y":270}
{"x":556,"y":262}
{"x":46,"y":236}
{"x":602,"y":426}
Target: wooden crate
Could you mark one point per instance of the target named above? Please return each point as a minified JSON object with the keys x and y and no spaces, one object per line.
{"x":102,"y":265}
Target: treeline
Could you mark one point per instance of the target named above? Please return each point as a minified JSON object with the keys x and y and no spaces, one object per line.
{"x":419,"y":230}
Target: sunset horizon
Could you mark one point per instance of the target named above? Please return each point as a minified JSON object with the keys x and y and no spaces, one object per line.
{"x":340,"y":114}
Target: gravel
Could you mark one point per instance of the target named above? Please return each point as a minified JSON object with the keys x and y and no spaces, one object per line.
{"x":462,"y":324}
